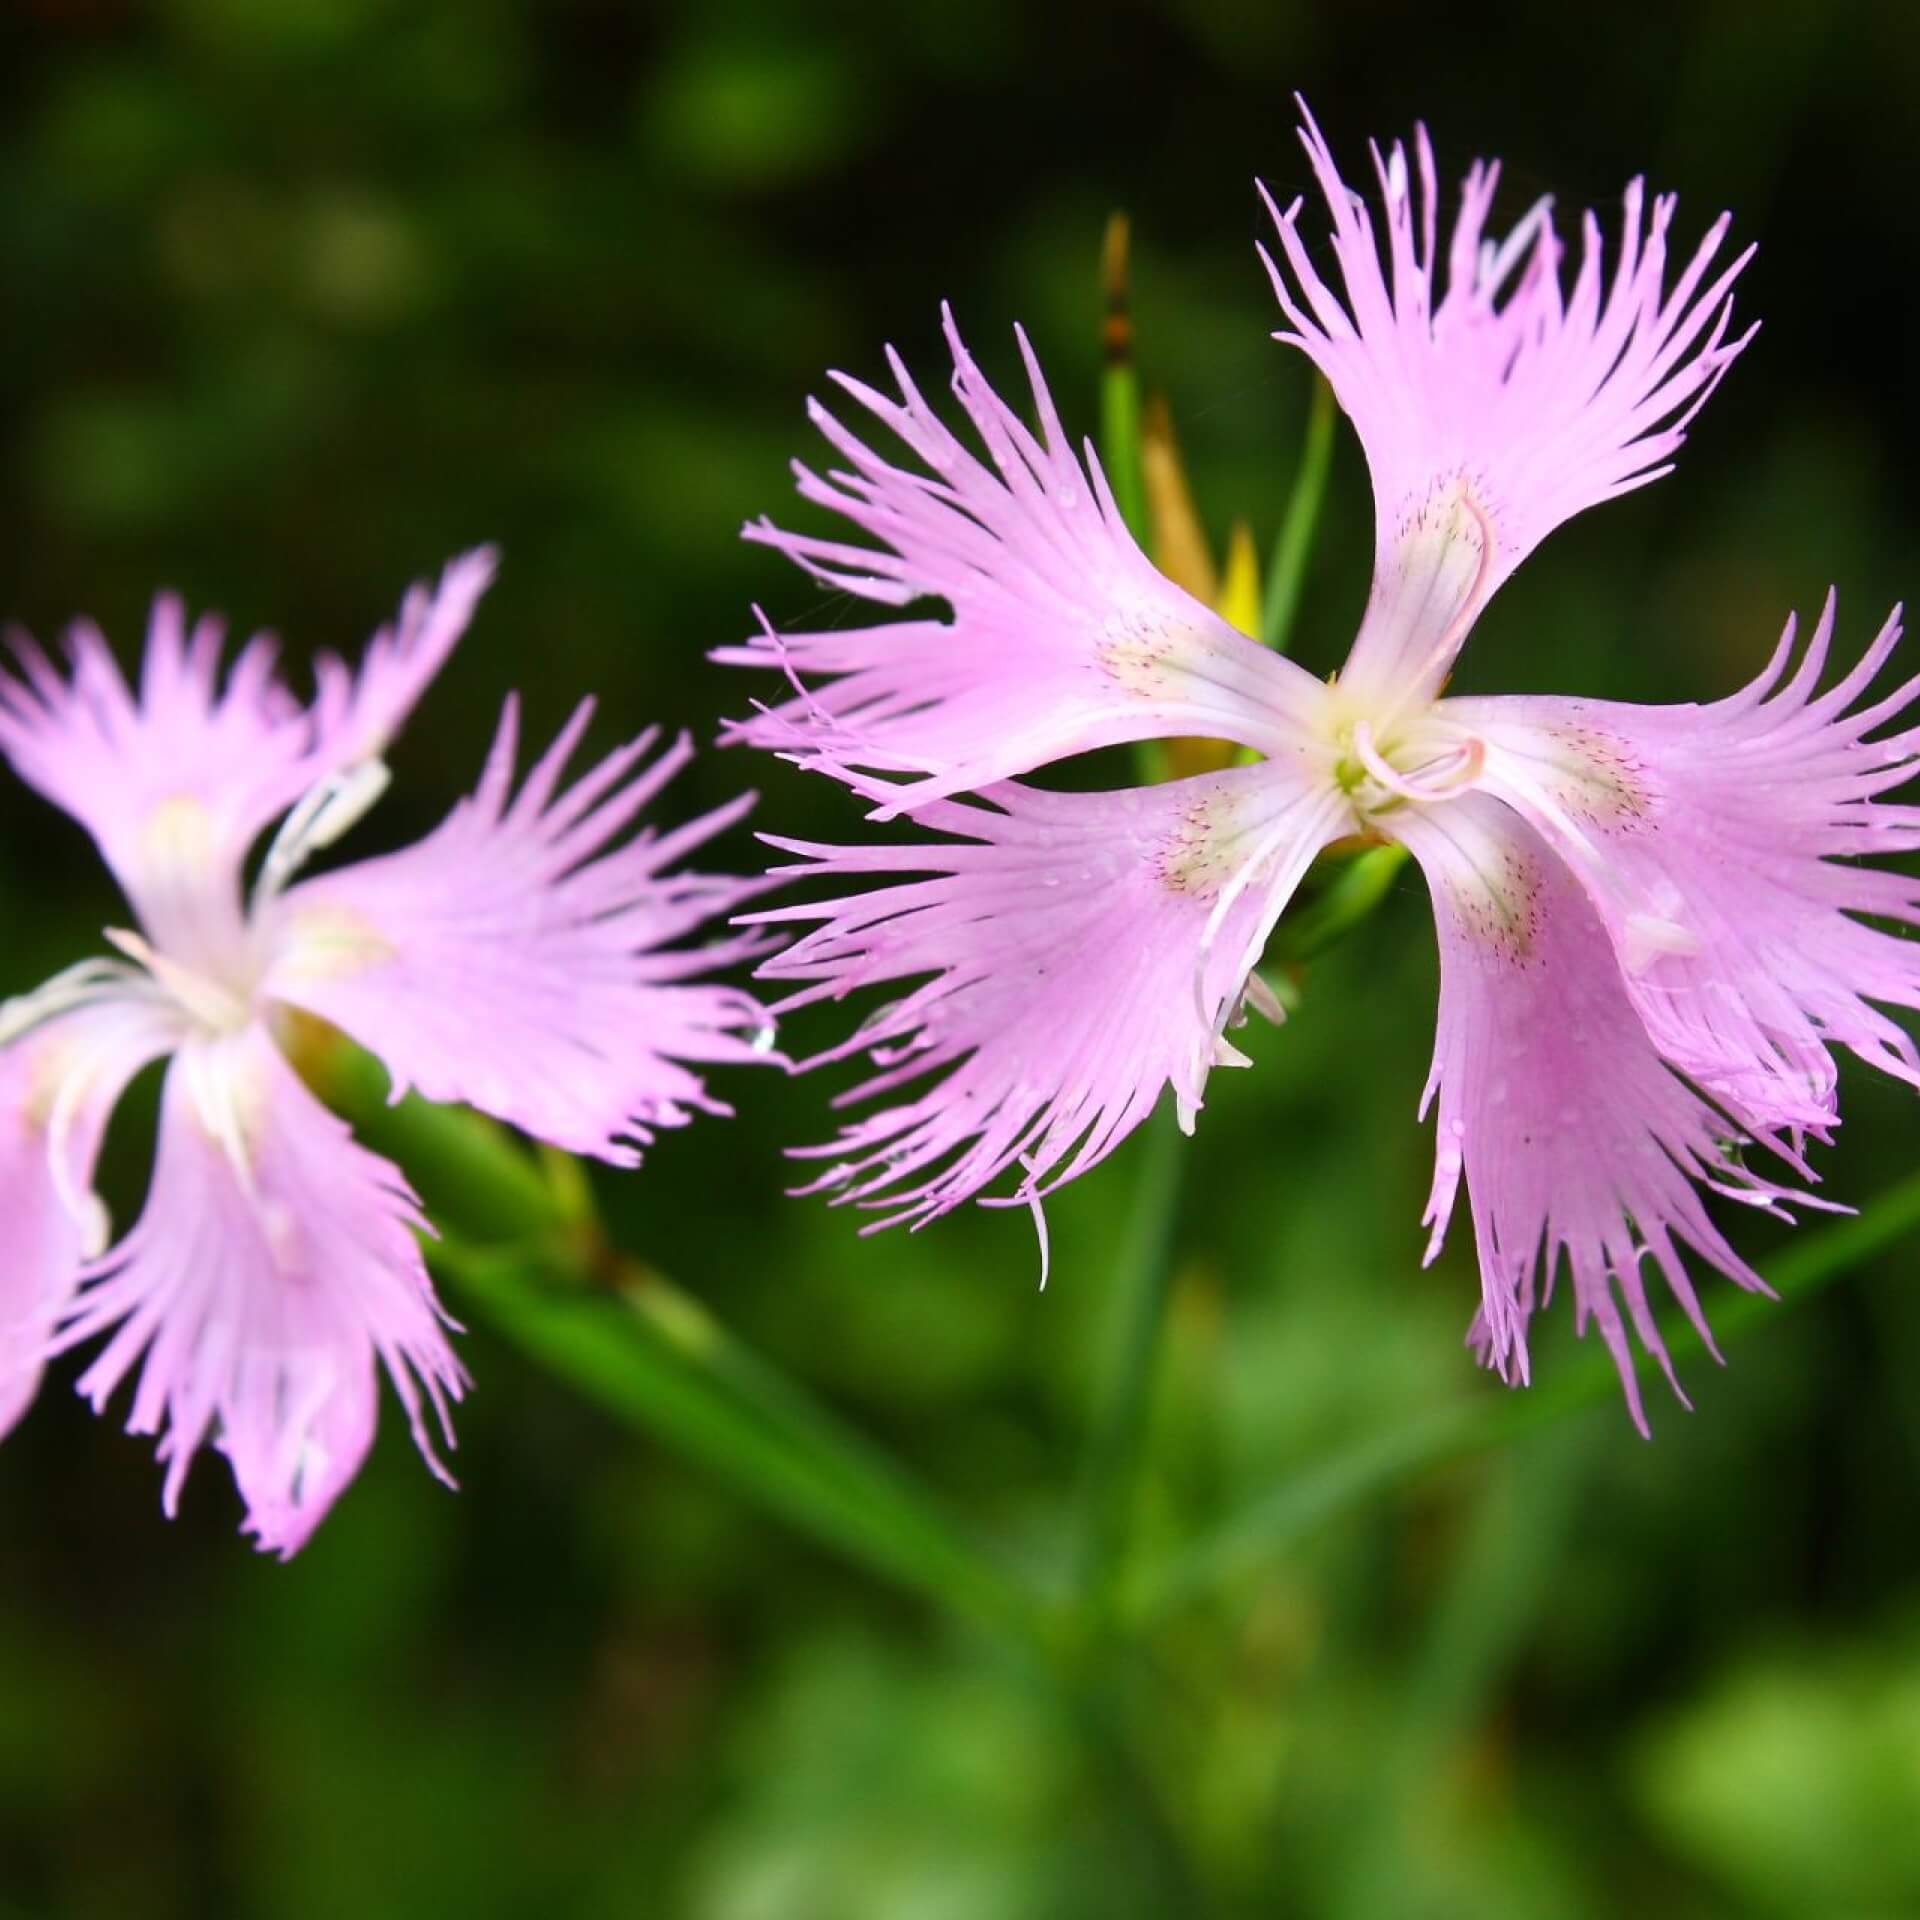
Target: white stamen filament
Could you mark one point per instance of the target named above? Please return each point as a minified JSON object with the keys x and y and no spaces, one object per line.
{"x":1510,"y":777}
{"x":318,"y":818}
{"x":1412,"y":685}
{"x":206,"y":1000}
{"x":1031,"y":1195}
{"x":1283,"y":827}
{"x":1396,"y":177}
{"x":82,"y":1205}
{"x":215,"y":1097}
{"x":1448,"y":774}
{"x":1259,"y":994}
{"x":1654,"y":929}
{"x":1231,"y":892}
{"x":1498,"y":259}
{"x":1653,"y":936}
{"x":75,"y":986}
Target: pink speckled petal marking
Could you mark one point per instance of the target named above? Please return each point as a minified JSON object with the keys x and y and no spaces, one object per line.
{"x":1718,"y":845}
{"x":1577,"y":1142}
{"x":519,"y":958}
{"x":1085,"y":952}
{"x":274,"y":1265}
{"x":1654,"y":928}
{"x":1063,"y":636}
{"x":1495,"y":410}
{"x":519,"y":961}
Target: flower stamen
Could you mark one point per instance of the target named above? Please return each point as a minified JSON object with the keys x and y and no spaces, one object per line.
{"x":76,"y":986}
{"x":317,"y":819}
{"x":1452,"y":772}
{"x":1284,"y":830}
{"x":205,"y":1000}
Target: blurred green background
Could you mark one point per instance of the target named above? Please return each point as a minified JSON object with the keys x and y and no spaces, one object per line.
{"x":300,"y":296}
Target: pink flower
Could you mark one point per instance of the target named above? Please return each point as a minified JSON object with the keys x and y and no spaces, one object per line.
{"x":516,"y":959}
{"x":1648,"y":917}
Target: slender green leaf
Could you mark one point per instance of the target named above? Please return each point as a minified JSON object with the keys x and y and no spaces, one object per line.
{"x":520,"y":1241}
{"x":1120,"y":444}
{"x":1363,"y":883}
{"x":1334,"y":1486}
{"x":476,"y":1178}
{"x":1294,"y":547}
{"x":1120,"y":383}
{"x":1494,"y":1589}
{"x":1142,"y":1284}
{"x":655,"y":1359}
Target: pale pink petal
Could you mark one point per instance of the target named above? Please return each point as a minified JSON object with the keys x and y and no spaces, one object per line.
{"x":1717,"y":843}
{"x":358,"y":712}
{"x":59,"y":1085}
{"x":1576,"y":1140}
{"x":178,"y":780}
{"x":1061,"y":635}
{"x":174,"y":782}
{"x":273,"y":1267}
{"x":1076,"y":955}
{"x":520,"y":958}
{"x":1496,"y":409}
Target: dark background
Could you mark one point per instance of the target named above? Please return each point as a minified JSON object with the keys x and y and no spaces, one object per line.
{"x":298,"y":298}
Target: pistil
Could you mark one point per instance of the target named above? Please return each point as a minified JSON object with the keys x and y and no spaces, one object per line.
{"x":207,"y":1001}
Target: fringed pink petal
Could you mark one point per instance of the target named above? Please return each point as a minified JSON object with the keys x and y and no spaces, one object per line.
{"x":274,"y":1267}
{"x":1061,"y":635}
{"x":59,"y":1085}
{"x":1577,"y":1142}
{"x":1496,"y":409}
{"x":177,"y":780}
{"x":521,"y":957}
{"x":358,"y":712}
{"x":1064,"y":960}
{"x":1718,"y":844}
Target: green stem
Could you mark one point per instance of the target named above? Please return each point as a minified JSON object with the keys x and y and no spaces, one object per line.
{"x":1291,"y":550}
{"x":1120,"y":381}
{"x":1120,"y":445}
{"x":1363,"y":883}
{"x":1489,"y":1600}
{"x":1272,"y":1522}
{"x":1101,"y":1717}
{"x":1142,"y":1285}
{"x":472,"y":1172}
{"x":654,"y":1358}
{"x":1120,"y":438}
{"x":647,"y":1353}
{"x":527,"y":1250}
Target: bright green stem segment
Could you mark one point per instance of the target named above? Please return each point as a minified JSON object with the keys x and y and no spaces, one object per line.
{"x":1120,"y":423}
{"x":523,"y":1245}
{"x":1271,"y":1523}
{"x":1293,"y":548}
{"x":1120,"y":444}
{"x":1119,"y":382}
{"x":473,"y":1173}
{"x":1364,"y":882}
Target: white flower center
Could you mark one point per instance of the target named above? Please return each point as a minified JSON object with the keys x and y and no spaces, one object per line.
{"x":1385,"y":763}
{"x":216,"y":1005}
{"x":177,"y":837}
